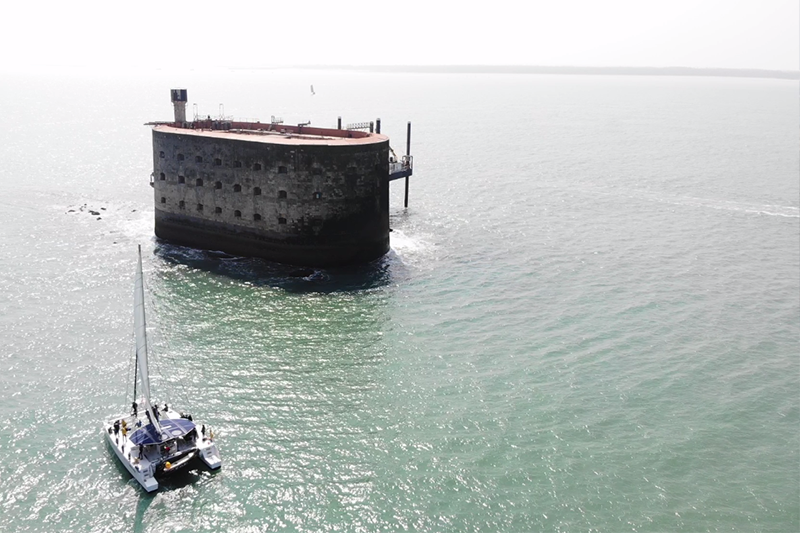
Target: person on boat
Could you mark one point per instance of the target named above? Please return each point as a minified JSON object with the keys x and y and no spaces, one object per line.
{"x":135,"y":407}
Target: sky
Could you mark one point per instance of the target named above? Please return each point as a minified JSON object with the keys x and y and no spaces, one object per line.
{"x":762,"y":34}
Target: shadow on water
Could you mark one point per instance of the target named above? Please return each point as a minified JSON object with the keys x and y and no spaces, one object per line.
{"x":174,"y":482}
{"x":192,"y":475}
{"x":145,"y":499}
{"x":260,"y":272}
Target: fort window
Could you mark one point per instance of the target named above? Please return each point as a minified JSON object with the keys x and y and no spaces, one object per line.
{"x":256,"y":217}
{"x":237,"y":214}
{"x":282,"y":170}
{"x":199,"y":207}
{"x":218,"y":185}
{"x":161,"y":155}
{"x":257,"y":166}
{"x":256,"y":191}
{"x":317,"y":195}
{"x":218,"y":210}
{"x":180,"y":157}
{"x":162,"y":176}
{"x":181,"y":179}
{"x":281,"y":194}
{"x":281,"y":220}
{"x":237,"y":188}
{"x":199,"y":182}
{"x":198,"y":159}
{"x":182,"y":204}
{"x":163,"y":200}
{"x":237,"y":164}
{"x":218,"y":162}
{"x":316,"y":171}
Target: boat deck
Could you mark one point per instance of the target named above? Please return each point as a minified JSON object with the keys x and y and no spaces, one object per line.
{"x":145,"y":462}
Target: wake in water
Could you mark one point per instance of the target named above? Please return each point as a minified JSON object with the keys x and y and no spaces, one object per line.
{"x":769,"y":210}
{"x":786,"y":211}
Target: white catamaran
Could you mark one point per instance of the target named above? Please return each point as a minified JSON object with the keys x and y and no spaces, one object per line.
{"x":160,"y":441}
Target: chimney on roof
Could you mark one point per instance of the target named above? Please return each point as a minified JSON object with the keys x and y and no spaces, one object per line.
{"x":179,"y":102}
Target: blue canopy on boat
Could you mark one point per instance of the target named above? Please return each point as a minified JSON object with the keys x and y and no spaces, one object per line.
{"x":171,"y":427}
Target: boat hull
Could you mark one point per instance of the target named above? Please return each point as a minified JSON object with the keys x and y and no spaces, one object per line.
{"x":144,"y":475}
{"x":208,"y":453}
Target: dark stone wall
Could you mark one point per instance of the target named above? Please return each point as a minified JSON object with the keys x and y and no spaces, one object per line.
{"x":305,"y":204}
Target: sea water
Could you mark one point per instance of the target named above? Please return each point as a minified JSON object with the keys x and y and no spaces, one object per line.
{"x":588,"y":321}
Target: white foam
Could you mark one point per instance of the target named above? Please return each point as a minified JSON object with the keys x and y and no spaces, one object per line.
{"x":401,"y":242}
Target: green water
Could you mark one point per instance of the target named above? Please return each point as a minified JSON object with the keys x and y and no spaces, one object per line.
{"x":588,"y":321}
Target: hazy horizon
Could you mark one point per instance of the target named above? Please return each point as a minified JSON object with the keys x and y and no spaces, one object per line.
{"x":247,"y":34}
{"x":790,"y":75}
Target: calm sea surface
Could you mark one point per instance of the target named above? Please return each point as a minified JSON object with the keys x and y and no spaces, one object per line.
{"x":589,"y":319}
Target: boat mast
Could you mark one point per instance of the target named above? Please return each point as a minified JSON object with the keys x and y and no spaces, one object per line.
{"x":135,"y":378}
{"x":140,"y":329}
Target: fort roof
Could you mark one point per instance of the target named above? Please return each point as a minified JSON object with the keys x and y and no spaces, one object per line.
{"x":271,"y":133}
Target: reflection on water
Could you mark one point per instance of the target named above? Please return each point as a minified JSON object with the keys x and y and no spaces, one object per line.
{"x":294,"y":279}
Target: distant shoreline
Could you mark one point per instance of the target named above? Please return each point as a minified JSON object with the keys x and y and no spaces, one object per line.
{"x":451,"y":69}
{"x":530,"y":69}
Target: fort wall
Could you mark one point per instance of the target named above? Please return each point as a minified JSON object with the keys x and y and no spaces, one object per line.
{"x":303,"y":199}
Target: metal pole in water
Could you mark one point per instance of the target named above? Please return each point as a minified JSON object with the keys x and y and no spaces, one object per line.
{"x":408,"y":153}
